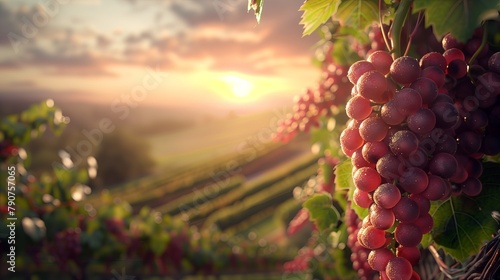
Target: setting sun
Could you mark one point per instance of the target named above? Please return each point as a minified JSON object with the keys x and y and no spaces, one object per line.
{"x":240,"y":87}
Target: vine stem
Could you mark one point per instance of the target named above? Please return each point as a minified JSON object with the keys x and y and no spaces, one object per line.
{"x":397,"y":26}
{"x":481,"y":47}
{"x":381,"y":23}
{"x":419,"y":21}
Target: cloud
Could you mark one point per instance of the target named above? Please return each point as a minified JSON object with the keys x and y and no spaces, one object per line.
{"x":11,"y":21}
{"x":223,"y":36}
{"x":183,"y":35}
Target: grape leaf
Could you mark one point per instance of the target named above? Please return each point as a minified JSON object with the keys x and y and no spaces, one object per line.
{"x":459,"y":17}
{"x":321,"y":211}
{"x":462,"y":223}
{"x":257,"y":6}
{"x":343,"y":53}
{"x":343,"y":183}
{"x":357,"y":14}
{"x":317,"y":12}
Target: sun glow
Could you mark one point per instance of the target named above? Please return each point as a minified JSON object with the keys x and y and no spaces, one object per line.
{"x":240,"y":87}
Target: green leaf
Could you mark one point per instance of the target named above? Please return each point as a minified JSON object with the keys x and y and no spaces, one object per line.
{"x":459,"y":17}
{"x":58,"y":220}
{"x":257,"y":6}
{"x":317,"y":12}
{"x":462,"y":224}
{"x":95,"y":239}
{"x":343,"y":53}
{"x":321,"y":211}
{"x":359,"y":14}
{"x":158,"y":243}
{"x":343,"y":176}
{"x":344,"y":183}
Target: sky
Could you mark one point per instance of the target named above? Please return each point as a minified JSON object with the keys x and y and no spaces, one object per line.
{"x":209,"y":54}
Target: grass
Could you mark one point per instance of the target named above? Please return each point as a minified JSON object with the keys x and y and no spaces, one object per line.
{"x":254,"y":186}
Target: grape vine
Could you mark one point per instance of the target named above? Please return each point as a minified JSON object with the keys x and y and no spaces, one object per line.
{"x":422,"y":124}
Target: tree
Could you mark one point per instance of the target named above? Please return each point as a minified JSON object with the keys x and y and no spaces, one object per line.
{"x":122,"y":156}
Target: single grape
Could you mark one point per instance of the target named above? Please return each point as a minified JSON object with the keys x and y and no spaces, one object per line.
{"x":373,"y":86}
{"x":427,"y":88}
{"x":435,"y":74}
{"x":408,"y":234}
{"x":452,"y":54}
{"x":404,"y":143}
{"x":387,"y":195}
{"x":406,"y":210}
{"x":443,"y":164}
{"x":407,"y":101}
{"x":399,"y":268}
{"x":450,"y":42}
{"x":472,"y":187}
{"x":446,"y":114}
{"x":378,"y":259}
{"x":357,"y":69}
{"x":373,"y":151}
{"x":390,"y":167}
{"x":405,"y":70}
{"x":373,"y":129}
{"x":413,"y":180}
{"x":382,"y":61}
{"x":469,"y":142}
{"x":457,"y":68}
{"x":351,"y":139}
{"x":412,"y":254}
{"x":371,"y":237}
{"x":422,"y":121}
{"x":358,"y":108}
{"x":362,"y":198}
{"x":381,"y":218}
{"x":433,"y":59}
{"x":366,"y":179}
{"x":494,"y":63}
{"x":390,"y":114}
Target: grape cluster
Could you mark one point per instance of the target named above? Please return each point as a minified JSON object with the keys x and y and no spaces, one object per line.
{"x":7,"y":149}
{"x":66,"y":246}
{"x":476,"y":97}
{"x":116,"y":227}
{"x":359,"y":254}
{"x":413,"y":139}
{"x":301,"y":262}
{"x":332,"y":91}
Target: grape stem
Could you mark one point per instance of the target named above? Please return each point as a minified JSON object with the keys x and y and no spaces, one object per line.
{"x":381,"y":23}
{"x":397,"y":26}
{"x":483,"y":43}
{"x":417,"y":24}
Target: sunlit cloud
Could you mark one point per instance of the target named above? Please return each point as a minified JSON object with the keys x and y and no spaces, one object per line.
{"x":86,"y":44}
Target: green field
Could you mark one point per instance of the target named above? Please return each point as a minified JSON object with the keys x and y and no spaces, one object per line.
{"x":213,"y":140}
{"x":227,"y":174}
